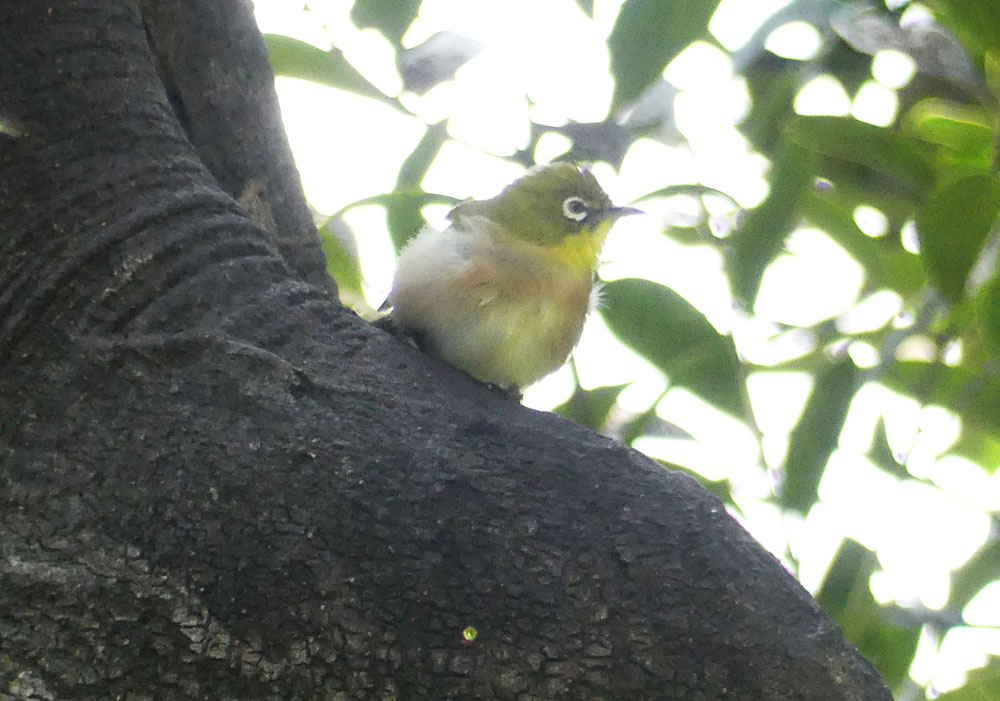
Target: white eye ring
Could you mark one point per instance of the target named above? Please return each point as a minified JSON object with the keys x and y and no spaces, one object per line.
{"x":575,"y":208}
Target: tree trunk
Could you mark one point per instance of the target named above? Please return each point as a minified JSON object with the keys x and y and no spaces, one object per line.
{"x":218,"y":483}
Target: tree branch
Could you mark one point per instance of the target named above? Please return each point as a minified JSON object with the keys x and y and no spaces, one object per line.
{"x":219,"y":483}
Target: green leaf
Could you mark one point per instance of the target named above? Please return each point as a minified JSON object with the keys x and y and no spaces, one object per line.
{"x":391,"y":17}
{"x":340,"y":262}
{"x":403,"y":216}
{"x":934,"y":50}
{"x":974,"y":396}
{"x":992,"y":71}
{"x":590,"y":407}
{"x":983,"y":684}
{"x":886,"y":264}
{"x":637,"y":425}
{"x":647,"y":35}
{"x":671,"y":334}
{"x":760,"y":237}
{"x":816,"y":434}
{"x":883,"y":455}
{"x":965,"y":129}
{"x":587,"y":6}
{"x":597,"y":141}
{"x":852,"y":185}
{"x":414,"y":200}
{"x":772,"y":95}
{"x":847,"y":578}
{"x":815,"y":12}
{"x":976,"y":19}
{"x":891,"y":649}
{"x":691,"y":189}
{"x":846,"y":596}
{"x":952,"y":227}
{"x":879,"y":149}
{"x":988,"y":312}
{"x":297,"y":59}
{"x":981,"y":447}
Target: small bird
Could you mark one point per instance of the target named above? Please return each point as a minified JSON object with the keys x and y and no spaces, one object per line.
{"x":502,"y":293}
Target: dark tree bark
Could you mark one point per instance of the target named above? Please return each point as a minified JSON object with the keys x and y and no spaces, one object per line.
{"x":218,"y":483}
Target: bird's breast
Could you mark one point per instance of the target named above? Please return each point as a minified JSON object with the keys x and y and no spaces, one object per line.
{"x":529,"y":312}
{"x":504,"y":313}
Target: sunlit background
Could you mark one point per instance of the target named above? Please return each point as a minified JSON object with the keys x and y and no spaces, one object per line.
{"x":349,"y":147}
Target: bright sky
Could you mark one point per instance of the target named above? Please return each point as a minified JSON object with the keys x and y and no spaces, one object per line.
{"x":348,"y":147}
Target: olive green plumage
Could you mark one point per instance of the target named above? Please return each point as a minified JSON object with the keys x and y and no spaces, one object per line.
{"x":503,"y":292}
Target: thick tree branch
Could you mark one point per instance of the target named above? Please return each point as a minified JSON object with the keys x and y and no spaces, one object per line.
{"x":219,"y":483}
{"x":214,"y":64}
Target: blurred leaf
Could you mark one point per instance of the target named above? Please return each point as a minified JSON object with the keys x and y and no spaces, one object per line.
{"x":952,"y":227}
{"x":653,"y":114}
{"x":590,"y":407}
{"x":398,"y":199}
{"x":692,"y":189}
{"x":983,"y":684}
{"x":435,"y":60}
{"x":817,"y":433}
{"x":759,"y":238}
{"x":814,"y":12}
{"x":772,"y":90}
{"x":885,"y":265}
{"x":883,"y":455}
{"x":708,"y":228}
{"x":403,"y":216}
{"x":647,"y":35}
{"x":598,"y":141}
{"x":648,"y":424}
{"x":297,"y":59}
{"x":848,"y":577}
{"x":661,"y":428}
{"x":981,"y":569}
{"x":637,"y":425}
{"x":966,"y":129}
{"x":686,"y":235}
{"x":988,"y":311}
{"x":977,"y":19}
{"x":888,"y":646}
{"x":391,"y":17}
{"x":671,"y":334}
{"x":974,"y":396}
{"x":933,"y":48}
{"x":341,"y":262}
{"x":846,"y":596}
{"x":850,"y":68}
{"x":587,"y":6}
{"x":851,"y":185}
{"x":981,"y":447}
{"x":416,"y":165}
{"x":880,"y":149}
{"x":992,"y":71}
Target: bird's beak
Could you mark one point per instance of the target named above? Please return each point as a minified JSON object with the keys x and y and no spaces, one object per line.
{"x":616,"y":212}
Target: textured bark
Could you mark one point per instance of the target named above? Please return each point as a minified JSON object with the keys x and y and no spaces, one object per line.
{"x":219,"y":483}
{"x":214,"y":64}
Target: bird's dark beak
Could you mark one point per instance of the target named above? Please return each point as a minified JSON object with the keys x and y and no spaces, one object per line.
{"x":616,"y":212}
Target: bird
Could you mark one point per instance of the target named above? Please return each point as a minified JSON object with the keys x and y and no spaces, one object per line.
{"x":502,"y":293}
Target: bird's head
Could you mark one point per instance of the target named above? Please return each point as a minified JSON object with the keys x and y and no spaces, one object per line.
{"x":557,"y":206}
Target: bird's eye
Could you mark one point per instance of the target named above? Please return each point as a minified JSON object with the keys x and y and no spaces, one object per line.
{"x":575,"y":208}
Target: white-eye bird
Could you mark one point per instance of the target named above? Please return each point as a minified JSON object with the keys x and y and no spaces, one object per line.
{"x":503,"y":292}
